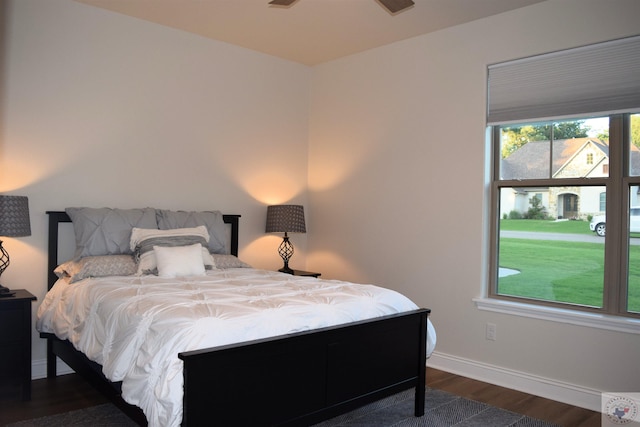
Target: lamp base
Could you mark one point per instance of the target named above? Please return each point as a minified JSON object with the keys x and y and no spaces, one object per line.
{"x":6,"y":292}
{"x":4,"y":259}
{"x":286,"y":252}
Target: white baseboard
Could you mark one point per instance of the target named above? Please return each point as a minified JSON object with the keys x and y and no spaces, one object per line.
{"x":516,"y":380}
{"x":39,"y":368}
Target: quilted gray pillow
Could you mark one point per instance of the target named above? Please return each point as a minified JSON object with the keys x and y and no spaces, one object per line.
{"x":107,"y":231}
{"x":223,"y":261}
{"x":97,"y":266}
{"x":213,"y":220}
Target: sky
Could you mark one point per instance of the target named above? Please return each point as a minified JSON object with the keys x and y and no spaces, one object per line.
{"x":597,"y":125}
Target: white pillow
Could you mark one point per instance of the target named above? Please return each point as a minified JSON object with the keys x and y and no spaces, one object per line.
{"x":179,"y":261}
{"x":143,"y":242}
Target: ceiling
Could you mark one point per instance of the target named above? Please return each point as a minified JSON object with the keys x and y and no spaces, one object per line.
{"x":309,"y":31}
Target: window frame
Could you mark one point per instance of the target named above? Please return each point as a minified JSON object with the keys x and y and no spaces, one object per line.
{"x":616,"y":244}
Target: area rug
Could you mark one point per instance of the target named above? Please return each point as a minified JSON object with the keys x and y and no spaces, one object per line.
{"x":441,"y":409}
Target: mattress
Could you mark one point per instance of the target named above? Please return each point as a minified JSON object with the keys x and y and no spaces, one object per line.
{"x":135,"y":326}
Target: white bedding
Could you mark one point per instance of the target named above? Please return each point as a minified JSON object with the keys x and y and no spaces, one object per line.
{"x":136,"y":326}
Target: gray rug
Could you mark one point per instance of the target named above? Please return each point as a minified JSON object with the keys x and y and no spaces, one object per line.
{"x":441,"y":409}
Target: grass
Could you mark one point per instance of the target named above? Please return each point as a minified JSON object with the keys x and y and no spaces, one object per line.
{"x":561,"y":271}
{"x":553,"y":270}
{"x":569,"y":227}
{"x":549,"y":226}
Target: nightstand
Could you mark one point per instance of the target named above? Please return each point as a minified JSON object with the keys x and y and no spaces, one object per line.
{"x":15,"y":344}
{"x":305,"y":273}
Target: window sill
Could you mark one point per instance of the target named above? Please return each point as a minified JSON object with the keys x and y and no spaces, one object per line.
{"x":592,"y":320}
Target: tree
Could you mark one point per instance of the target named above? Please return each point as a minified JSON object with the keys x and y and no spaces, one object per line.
{"x":537,"y":209}
{"x":635,"y":130}
{"x":515,"y":137}
{"x":567,"y":130}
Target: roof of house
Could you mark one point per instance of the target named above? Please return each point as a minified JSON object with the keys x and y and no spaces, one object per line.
{"x":532,"y":159}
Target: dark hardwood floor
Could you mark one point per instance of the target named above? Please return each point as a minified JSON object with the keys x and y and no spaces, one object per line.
{"x":512,"y":400}
{"x":48,"y":397}
{"x":69,"y":392}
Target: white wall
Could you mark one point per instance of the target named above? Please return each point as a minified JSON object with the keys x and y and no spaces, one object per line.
{"x":399,"y":194}
{"x":99,"y":109}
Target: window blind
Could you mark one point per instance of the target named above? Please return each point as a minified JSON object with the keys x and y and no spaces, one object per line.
{"x":594,"y":79}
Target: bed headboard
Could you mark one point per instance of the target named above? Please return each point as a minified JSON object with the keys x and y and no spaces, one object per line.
{"x":58,"y":217}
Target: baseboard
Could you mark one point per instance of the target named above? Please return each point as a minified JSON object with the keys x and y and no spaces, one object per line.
{"x":39,"y":368}
{"x":516,"y":380}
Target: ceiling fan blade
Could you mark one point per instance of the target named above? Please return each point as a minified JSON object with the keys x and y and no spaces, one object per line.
{"x":396,"y":5}
{"x":282,"y":2}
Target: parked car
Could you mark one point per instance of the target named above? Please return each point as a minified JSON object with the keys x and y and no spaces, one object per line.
{"x":598,"y":222}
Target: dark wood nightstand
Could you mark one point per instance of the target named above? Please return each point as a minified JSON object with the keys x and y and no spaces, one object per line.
{"x":15,"y":344}
{"x":305,"y":273}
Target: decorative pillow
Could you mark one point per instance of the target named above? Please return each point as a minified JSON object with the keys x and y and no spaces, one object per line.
{"x":223,"y":261}
{"x":143,"y":242}
{"x":97,"y":266}
{"x":213,"y":220}
{"x":106,"y":231}
{"x":179,"y":260}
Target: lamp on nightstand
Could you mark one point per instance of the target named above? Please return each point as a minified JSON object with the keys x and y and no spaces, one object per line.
{"x":14,"y":222}
{"x":287,"y":219}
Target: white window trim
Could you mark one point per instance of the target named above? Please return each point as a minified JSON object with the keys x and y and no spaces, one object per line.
{"x":561,"y":315}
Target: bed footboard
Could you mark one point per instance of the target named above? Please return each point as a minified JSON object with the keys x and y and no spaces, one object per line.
{"x":307,"y":377}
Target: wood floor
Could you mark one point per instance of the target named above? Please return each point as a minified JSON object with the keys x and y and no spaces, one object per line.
{"x":515,"y":401}
{"x":69,"y":392}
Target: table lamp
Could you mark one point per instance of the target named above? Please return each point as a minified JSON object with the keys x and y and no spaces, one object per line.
{"x":287,"y":219}
{"x":14,"y":222}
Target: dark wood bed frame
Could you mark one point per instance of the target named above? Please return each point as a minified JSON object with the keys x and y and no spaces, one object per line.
{"x":294,"y":380}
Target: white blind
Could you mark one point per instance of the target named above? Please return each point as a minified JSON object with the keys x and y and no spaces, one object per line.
{"x":599,"y":78}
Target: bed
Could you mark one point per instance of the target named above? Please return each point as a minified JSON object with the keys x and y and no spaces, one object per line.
{"x":298,"y":376}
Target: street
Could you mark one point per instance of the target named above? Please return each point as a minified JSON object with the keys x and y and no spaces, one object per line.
{"x":560,"y":236}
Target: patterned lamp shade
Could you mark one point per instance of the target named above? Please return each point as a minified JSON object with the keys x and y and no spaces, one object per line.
{"x":14,"y":216}
{"x":14,"y":222}
{"x":285,"y":218}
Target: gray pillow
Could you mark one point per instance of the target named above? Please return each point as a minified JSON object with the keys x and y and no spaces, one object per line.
{"x":106,"y":231}
{"x":223,"y":261}
{"x":97,"y":266}
{"x":213,"y":220}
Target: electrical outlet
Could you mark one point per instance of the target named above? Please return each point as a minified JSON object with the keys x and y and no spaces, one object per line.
{"x":491,"y":331}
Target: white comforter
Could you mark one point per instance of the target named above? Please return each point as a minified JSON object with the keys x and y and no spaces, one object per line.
{"x":136,"y":326}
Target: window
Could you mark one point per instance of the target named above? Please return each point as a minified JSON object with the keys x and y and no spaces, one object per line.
{"x":566,"y":128}
{"x":545,"y":248}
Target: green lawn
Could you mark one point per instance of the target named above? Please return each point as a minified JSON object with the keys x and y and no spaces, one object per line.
{"x":553,"y":270}
{"x":571,"y":227}
{"x":561,"y":271}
